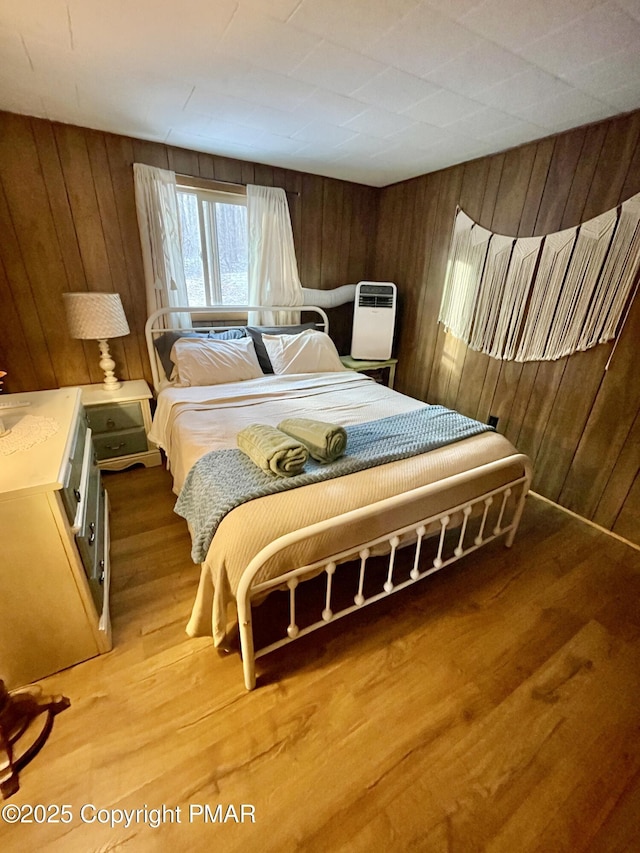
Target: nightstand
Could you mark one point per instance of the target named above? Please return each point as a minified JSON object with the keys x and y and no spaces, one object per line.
{"x":365,"y":366}
{"x":120,"y":421}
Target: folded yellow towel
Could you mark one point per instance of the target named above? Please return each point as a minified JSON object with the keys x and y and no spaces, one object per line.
{"x":324,"y":441}
{"x":272,"y":450}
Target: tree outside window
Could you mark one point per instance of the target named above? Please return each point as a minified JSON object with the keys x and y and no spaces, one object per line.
{"x":214,"y":246}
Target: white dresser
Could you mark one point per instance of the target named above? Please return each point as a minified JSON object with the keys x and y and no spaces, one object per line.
{"x":54,"y":541}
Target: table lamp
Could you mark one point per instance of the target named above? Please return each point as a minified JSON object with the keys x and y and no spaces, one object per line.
{"x":97,"y":317}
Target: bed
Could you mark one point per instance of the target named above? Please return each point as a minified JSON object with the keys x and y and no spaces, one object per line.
{"x":437,"y":506}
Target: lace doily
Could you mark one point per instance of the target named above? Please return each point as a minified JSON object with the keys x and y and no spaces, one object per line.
{"x":29,"y":430}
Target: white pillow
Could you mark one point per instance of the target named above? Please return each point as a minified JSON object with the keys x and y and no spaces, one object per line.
{"x":214,"y":362}
{"x":311,"y":351}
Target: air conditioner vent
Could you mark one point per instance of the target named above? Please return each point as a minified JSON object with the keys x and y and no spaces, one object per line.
{"x":375,"y":301}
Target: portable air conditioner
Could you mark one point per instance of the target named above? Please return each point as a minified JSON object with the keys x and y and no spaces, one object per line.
{"x":374,"y":316}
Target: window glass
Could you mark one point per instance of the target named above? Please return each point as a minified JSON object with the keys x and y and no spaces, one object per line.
{"x":214,"y":246}
{"x":231,"y":228}
{"x":191,"y":247}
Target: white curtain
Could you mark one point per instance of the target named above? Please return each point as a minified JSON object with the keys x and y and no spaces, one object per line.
{"x":159,"y":223}
{"x":273,"y":269}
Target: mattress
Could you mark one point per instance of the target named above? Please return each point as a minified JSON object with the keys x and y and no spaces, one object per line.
{"x":190,"y":422}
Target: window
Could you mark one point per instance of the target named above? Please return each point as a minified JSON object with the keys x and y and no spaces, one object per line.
{"x":214,"y":246}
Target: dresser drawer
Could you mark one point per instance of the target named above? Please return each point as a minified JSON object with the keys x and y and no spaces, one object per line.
{"x":91,"y":539}
{"x":95,"y":575}
{"x":122,"y":443}
{"x":114,"y":417}
{"x":72,"y":491}
{"x":87,"y":537}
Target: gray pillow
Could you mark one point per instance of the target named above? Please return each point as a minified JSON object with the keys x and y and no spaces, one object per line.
{"x":164,"y":343}
{"x":256,"y":333}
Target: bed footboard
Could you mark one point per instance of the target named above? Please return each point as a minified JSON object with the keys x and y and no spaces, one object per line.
{"x":452,"y":532}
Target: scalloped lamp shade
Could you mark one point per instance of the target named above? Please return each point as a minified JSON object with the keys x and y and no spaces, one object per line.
{"x":97,"y":317}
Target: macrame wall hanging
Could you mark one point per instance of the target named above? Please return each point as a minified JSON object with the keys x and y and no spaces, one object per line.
{"x":541,"y":298}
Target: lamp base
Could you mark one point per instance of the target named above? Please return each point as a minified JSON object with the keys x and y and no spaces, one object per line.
{"x":108,"y":364}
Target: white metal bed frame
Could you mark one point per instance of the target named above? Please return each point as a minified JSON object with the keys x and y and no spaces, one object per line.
{"x":439,"y":524}
{"x":248,"y":592}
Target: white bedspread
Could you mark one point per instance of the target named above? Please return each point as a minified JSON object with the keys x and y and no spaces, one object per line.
{"x":189,"y":422}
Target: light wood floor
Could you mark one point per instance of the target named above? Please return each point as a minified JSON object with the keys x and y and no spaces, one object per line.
{"x":495,"y":707}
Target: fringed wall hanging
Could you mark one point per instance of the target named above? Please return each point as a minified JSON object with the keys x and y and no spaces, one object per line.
{"x":541,"y":298}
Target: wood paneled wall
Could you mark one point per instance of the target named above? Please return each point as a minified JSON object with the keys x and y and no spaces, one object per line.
{"x":68,"y":223}
{"x":579,"y":423}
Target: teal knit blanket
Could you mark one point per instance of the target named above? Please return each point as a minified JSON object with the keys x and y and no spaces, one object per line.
{"x":224,"y":479}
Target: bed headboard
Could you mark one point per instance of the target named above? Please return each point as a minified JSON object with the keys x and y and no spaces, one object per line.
{"x":165,"y":320}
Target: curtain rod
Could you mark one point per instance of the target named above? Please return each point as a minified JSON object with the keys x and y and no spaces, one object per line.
{"x":208,"y":183}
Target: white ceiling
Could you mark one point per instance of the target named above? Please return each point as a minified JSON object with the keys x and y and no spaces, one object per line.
{"x":373,"y":91}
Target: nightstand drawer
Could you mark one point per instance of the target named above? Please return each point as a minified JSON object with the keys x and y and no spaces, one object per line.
{"x":121,"y":443}
{"x":115,"y":417}
{"x":120,"y":421}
